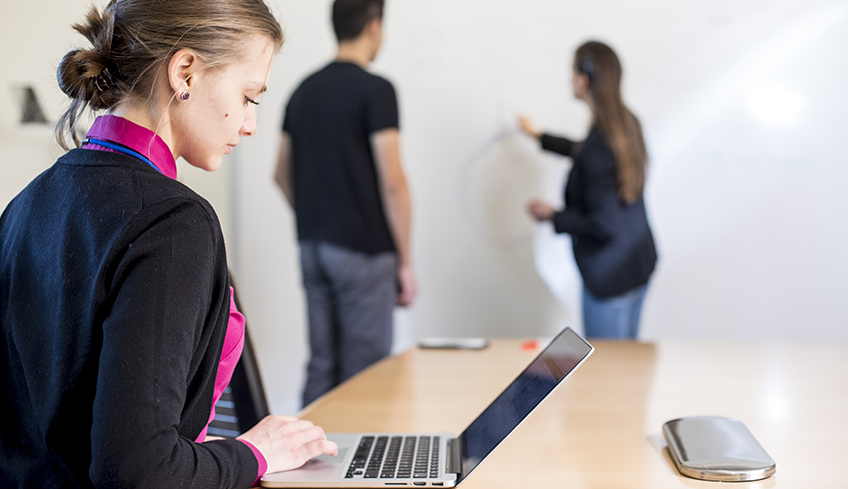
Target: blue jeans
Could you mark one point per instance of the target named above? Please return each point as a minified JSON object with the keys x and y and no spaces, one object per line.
{"x":613,"y":317}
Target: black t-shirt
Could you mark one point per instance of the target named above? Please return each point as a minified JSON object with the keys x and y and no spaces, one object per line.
{"x":330,"y":119}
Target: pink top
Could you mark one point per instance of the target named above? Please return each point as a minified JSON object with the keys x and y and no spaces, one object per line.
{"x":120,"y":131}
{"x":141,"y":139}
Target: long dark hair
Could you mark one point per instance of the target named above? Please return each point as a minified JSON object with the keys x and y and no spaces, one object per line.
{"x":613,"y":119}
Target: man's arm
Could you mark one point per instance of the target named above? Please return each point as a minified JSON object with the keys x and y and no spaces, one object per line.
{"x":395,"y":194}
{"x":283,"y":174}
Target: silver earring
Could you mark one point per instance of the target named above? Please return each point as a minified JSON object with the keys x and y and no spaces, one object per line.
{"x":184,"y":96}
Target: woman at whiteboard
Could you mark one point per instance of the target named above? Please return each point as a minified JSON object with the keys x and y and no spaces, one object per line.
{"x":604,"y":209}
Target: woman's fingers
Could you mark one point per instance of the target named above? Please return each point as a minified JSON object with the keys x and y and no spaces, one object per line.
{"x":540,"y":210}
{"x":319,"y":447}
{"x":287,"y":442}
{"x":527,"y":126}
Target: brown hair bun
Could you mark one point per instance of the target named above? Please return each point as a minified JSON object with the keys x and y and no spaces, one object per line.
{"x":83,"y":75}
{"x":131,"y":39}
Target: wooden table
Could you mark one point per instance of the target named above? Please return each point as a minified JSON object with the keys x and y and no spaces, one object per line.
{"x":602,"y":427}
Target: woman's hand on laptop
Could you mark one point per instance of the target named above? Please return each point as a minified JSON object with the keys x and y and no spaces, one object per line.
{"x":287,"y":442}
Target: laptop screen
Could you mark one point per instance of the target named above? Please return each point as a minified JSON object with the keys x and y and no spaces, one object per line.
{"x":536,"y":382}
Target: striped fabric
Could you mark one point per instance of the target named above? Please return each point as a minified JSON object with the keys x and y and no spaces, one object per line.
{"x":226,"y":422}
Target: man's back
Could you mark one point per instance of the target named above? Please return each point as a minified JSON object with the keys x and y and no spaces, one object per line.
{"x":339,"y":166}
{"x":330,"y":119}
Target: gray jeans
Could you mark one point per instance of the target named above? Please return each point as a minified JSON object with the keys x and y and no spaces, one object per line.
{"x":350,"y":299}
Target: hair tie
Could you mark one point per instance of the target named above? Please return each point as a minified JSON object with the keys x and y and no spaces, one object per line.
{"x":104,"y":80}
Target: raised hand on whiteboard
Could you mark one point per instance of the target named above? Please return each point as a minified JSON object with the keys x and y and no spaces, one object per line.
{"x":528,"y":127}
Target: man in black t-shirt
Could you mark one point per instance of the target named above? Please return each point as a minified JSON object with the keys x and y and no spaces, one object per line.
{"x":339,"y":167}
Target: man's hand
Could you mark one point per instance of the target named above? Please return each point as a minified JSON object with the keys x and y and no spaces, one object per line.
{"x":397,"y":205}
{"x":283,"y":172}
{"x":408,"y":286}
{"x":287,"y":442}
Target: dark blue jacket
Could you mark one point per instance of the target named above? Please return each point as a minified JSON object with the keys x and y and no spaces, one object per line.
{"x":612,"y":242}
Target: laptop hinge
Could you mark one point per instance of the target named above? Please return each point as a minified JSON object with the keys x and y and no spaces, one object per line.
{"x":454,"y":457}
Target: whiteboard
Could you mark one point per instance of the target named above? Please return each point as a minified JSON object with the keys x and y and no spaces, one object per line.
{"x":743,"y":105}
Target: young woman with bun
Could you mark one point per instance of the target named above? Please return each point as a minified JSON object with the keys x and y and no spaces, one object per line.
{"x":118,"y":330}
{"x":604,"y":210}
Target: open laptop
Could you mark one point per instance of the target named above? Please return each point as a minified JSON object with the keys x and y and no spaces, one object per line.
{"x":439,"y":459}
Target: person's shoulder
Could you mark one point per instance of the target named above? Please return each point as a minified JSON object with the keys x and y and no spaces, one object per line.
{"x":140,"y":190}
{"x":314,"y":79}
{"x":170,"y":208}
{"x":379,"y":82}
{"x":119,"y":196}
{"x":353,"y":73}
{"x":596,"y":149}
{"x":380,"y":88}
{"x":596,"y":142}
{"x":167,"y":195}
{"x":318,"y":74}
{"x":333,"y":71}
{"x":595,"y":137}
{"x":377,"y":79}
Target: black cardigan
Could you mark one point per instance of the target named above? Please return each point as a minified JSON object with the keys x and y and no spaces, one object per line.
{"x":612,"y":242}
{"x":114,"y":302}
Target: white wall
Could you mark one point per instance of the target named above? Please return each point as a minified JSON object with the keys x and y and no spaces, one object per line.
{"x":31,"y":52}
{"x":743,"y":104}
{"x":28,"y":59}
{"x":747,"y":208}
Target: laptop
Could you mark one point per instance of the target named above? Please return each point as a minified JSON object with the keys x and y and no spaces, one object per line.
{"x":439,"y":459}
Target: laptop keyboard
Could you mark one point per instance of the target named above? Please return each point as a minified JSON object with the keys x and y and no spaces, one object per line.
{"x":396,"y":457}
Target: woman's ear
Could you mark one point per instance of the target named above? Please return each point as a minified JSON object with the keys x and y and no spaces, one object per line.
{"x":183,"y":65}
{"x":581,"y":84}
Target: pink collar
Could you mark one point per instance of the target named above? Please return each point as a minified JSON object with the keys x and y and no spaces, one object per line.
{"x":140,"y":139}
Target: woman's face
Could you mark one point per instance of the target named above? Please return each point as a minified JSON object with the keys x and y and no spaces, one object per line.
{"x":221,"y":109}
{"x":580,"y":84}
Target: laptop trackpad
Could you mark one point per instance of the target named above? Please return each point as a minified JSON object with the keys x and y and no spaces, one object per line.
{"x":329,"y":459}
{"x":321,"y":468}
